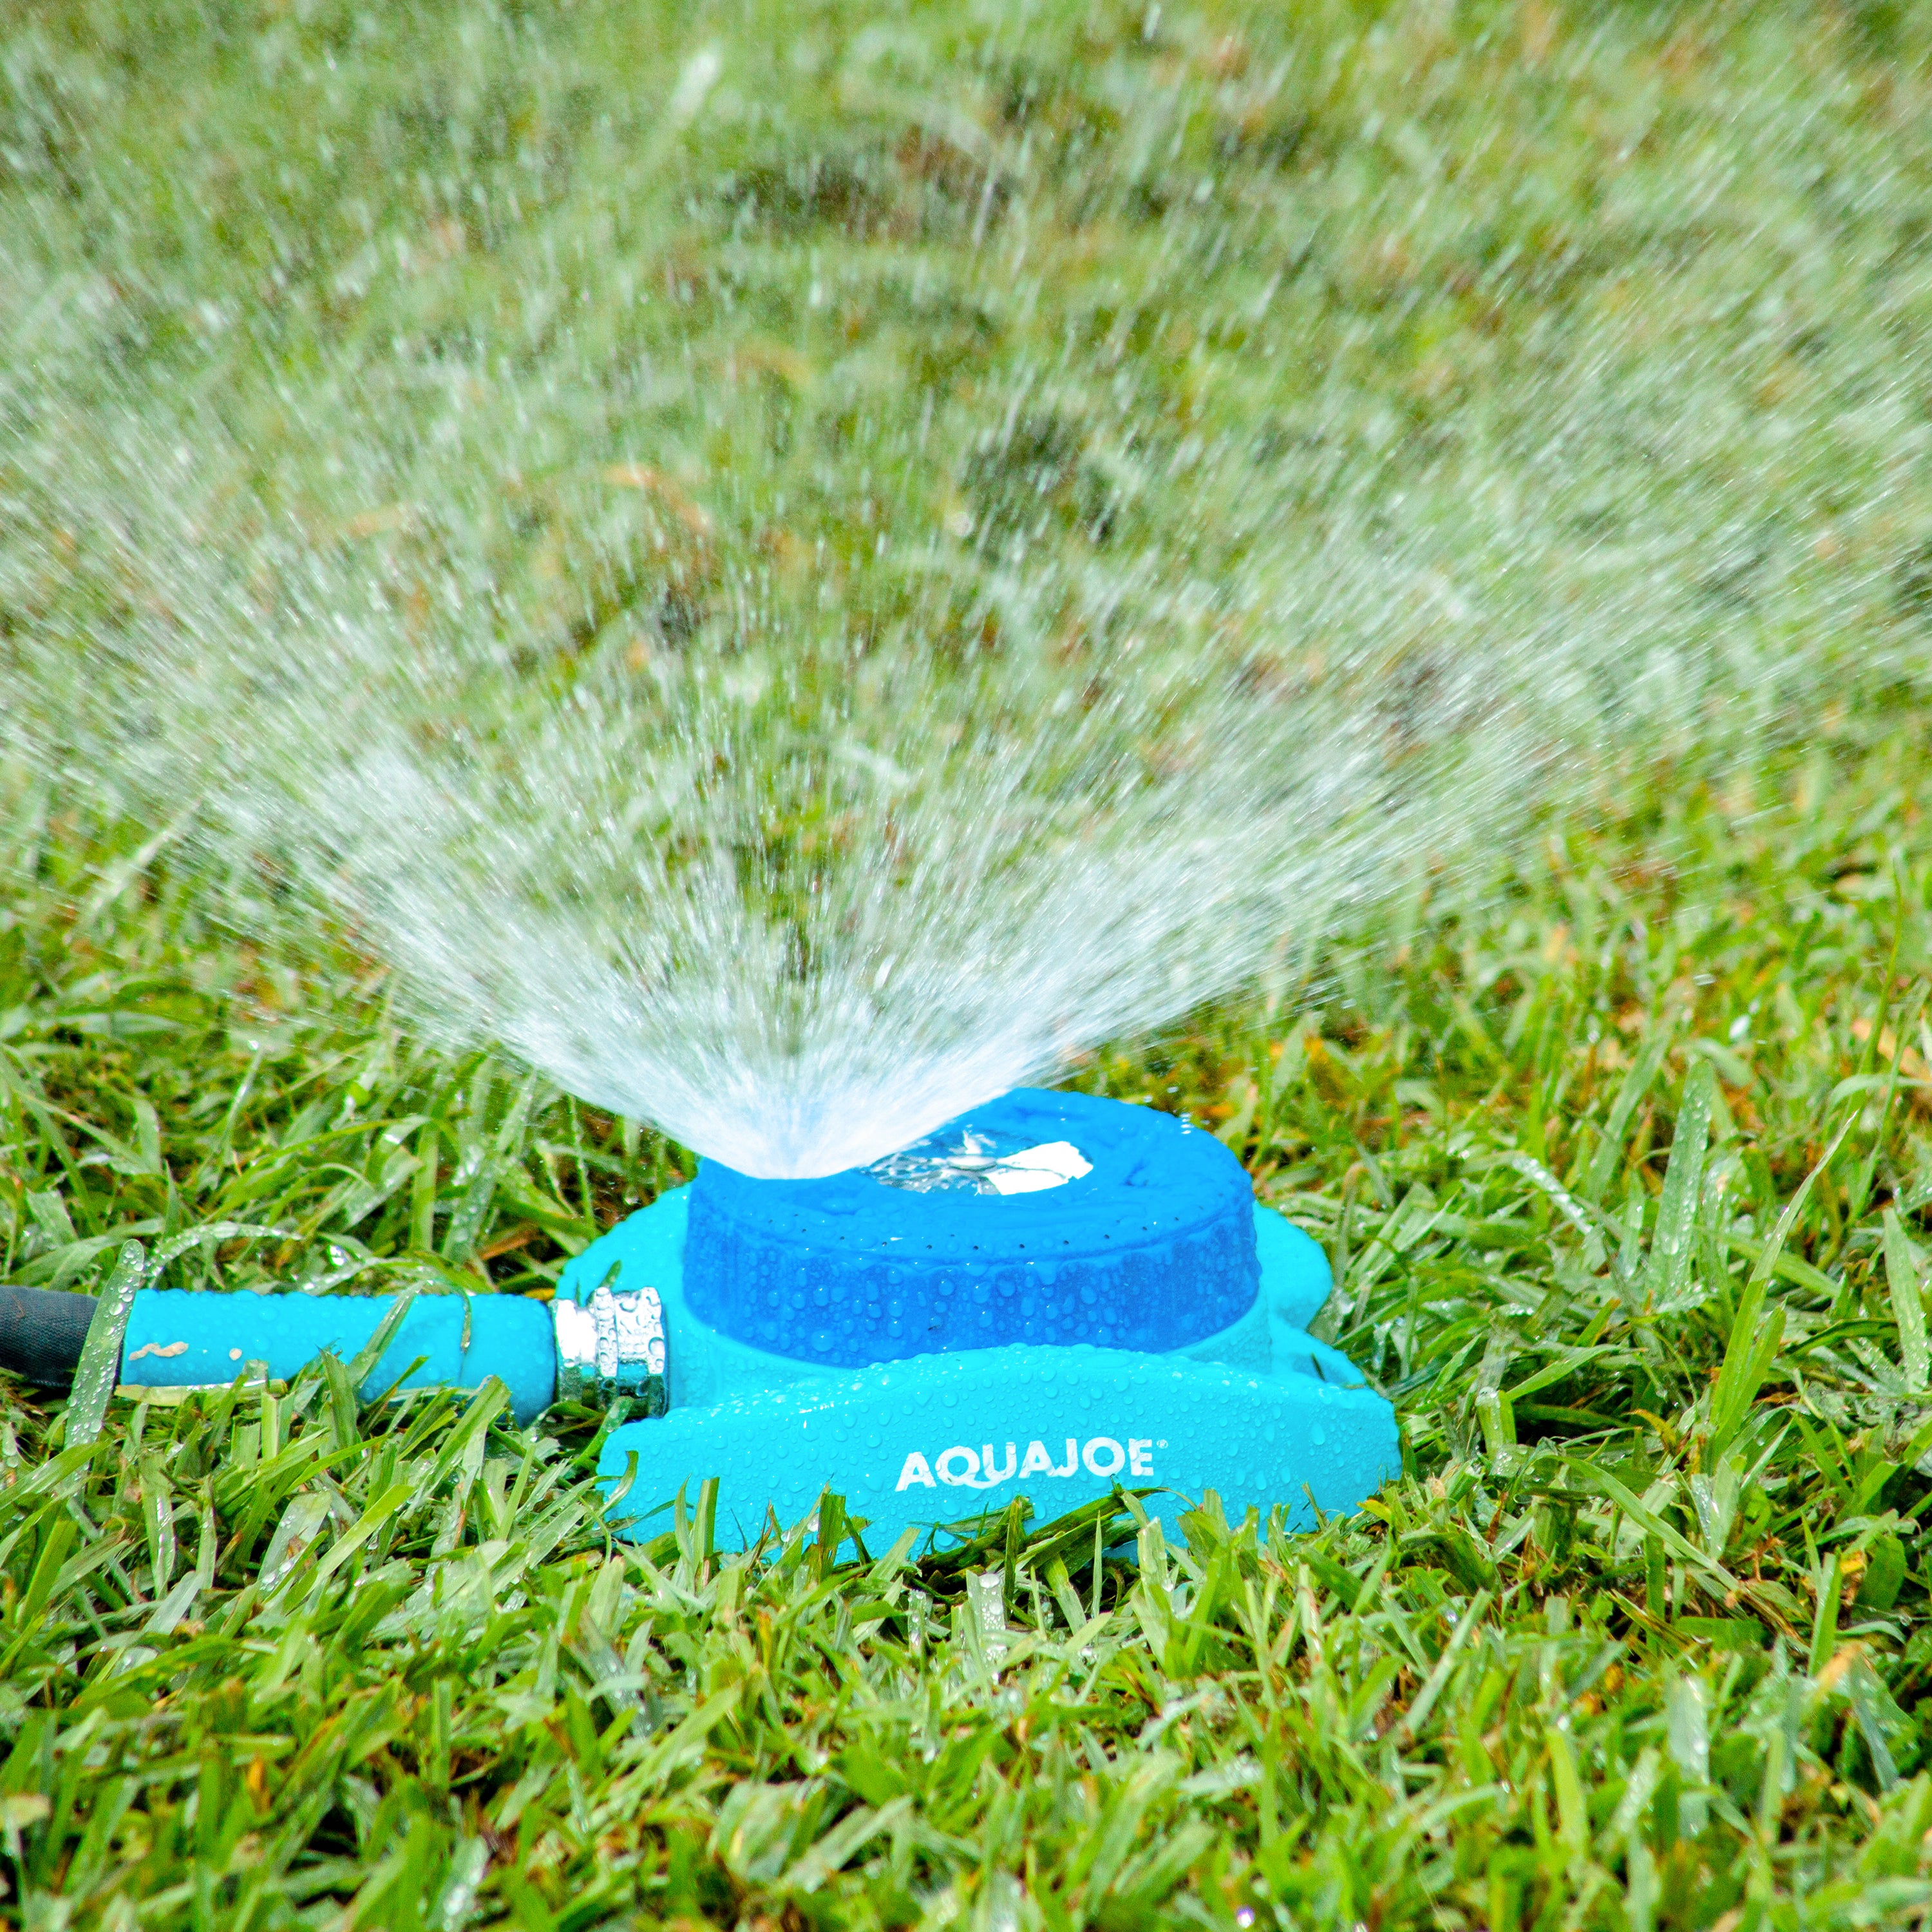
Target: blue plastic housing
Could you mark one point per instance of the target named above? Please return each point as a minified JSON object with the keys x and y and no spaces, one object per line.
{"x":1260,"y":1411}
{"x":944,"y":1440}
{"x":708,"y":1370}
{"x":1152,"y":1249}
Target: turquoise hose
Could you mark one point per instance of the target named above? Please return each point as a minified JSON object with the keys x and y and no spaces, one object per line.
{"x":176,"y":1337}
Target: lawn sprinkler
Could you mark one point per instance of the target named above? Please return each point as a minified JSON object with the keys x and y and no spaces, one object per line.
{"x":1052,"y":1296}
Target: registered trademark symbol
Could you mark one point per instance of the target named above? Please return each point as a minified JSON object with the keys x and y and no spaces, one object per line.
{"x":1162,"y":1444}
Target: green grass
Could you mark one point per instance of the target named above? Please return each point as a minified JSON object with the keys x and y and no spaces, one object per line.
{"x":1640,"y":1639}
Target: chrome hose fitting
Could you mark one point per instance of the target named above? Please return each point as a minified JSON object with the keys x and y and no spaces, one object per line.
{"x":613,"y":1347}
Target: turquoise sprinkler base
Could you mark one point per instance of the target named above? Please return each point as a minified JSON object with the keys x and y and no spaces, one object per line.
{"x":1258,"y":1411}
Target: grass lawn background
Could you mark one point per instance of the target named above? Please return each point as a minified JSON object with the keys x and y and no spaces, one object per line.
{"x":1621,"y":1155}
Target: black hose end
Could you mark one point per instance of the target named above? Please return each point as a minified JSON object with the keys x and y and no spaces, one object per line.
{"x":42,"y":1332}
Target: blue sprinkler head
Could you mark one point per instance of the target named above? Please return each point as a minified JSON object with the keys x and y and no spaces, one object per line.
{"x":1051,"y":1297}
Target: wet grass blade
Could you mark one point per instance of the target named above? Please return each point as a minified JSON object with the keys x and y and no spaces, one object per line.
{"x":1636,"y":1083}
{"x":1671,"y":1248}
{"x":99,"y":1366}
{"x":1908,"y":1307}
{"x":1753,"y":1343}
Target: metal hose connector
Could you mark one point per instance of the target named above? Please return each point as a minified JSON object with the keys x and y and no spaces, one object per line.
{"x":613,"y":1347}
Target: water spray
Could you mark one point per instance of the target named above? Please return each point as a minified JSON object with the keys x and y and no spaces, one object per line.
{"x":795,"y":750}
{"x":1053,"y":1297}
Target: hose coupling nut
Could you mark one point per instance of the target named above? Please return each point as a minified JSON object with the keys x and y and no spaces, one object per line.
{"x":612,"y":1347}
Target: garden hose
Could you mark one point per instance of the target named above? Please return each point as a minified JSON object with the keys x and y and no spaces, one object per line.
{"x":42,"y":1333}
{"x":611,"y":1345}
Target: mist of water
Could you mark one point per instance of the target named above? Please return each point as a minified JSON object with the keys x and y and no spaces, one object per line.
{"x":795,"y":796}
